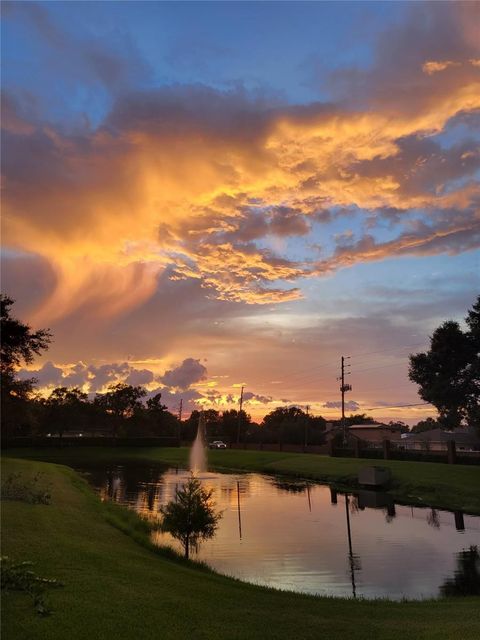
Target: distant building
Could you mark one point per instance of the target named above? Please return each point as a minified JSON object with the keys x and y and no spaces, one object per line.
{"x":370,"y":435}
{"x":437,"y":439}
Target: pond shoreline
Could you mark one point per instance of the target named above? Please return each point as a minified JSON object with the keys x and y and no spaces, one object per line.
{"x":116,"y":585}
{"x":307,"y":553}
{"x":428,"y":484}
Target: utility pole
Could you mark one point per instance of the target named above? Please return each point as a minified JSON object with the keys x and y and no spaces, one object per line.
{"x":307,"y":408}
{"x":240,"y":416}
{"x":180,"y":408}
{"x":344,"y":388}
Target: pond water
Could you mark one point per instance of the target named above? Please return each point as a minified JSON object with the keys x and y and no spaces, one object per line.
{"x":306,"y":537}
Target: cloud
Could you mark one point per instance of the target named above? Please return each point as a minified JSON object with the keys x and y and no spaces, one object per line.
{"x":434,"y":66}
{"x":171,"y":399}
{"x":249,"y":396}
{"x":192,"y":191}
{"x":47,"y":375}
{"x":351,"y":405}
{"x":186,"y":374}
{"x":139,"y":377}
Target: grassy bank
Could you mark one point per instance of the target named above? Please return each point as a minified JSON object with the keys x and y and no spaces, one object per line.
{"x":438,"y":485}
{"x":117,"y":588}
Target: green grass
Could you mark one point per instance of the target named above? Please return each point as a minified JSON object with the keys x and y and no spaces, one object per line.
{"x":454,"y":487}
{"x":115,"y":587}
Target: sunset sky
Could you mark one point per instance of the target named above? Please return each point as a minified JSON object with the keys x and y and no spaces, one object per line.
{"x":202,"y":195}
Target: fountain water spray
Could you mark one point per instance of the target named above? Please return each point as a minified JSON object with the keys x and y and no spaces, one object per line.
{"x":197,"y":454}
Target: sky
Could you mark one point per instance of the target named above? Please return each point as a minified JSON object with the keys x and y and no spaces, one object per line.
{"x":199,"y":196}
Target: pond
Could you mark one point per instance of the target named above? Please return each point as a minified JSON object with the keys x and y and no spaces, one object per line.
{"x":305,"y":537}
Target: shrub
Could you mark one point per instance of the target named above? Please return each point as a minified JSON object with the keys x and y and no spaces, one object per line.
{"x":18,"y":576}
{"x":14,"y":487}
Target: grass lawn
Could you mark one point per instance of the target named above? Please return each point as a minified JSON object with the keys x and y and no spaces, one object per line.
{"x":454,"y":487}
{"x":116,"y":588}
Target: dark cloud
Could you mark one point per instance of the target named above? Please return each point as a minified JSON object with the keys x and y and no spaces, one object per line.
{"x":431,"y":32}
{"x":78,"y":376}
{"x":106,"y":374}
{"x":423,"y":166}
{"x":186,"y":374}
{"x":47,"y":375}
{"x":27,"y":278}
{"x":189,"y":109}
{"x":249,"y":395}
{"x":350,"y":405}
{"x":286,"y":221}
{"x":139,"y":377}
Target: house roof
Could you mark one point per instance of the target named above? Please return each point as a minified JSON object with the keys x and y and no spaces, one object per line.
{"x":369,"y":432}
{"x":372,"y":425}
{"x":460,"y":436}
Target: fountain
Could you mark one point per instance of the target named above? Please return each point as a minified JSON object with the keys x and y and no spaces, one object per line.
{"x":197,"y":454}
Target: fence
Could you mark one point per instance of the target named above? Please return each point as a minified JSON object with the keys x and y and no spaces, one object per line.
{"x":287,"y":448}
{"x":388,"y":450}
{"x":99,"y":441}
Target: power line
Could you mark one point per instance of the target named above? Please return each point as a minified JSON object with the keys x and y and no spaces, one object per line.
{"x":396,"y":406}
{"x":406,"y":346}
{"x":380,"y":366}
{"x":306,"y":373}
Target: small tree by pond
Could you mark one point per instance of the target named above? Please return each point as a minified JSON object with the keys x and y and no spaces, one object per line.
{"x":191,"y":517}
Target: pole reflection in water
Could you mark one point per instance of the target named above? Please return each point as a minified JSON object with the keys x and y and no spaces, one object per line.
{"x":353,"y":561}
{"x":459,"y":521}
{"x":239,"y":512}
{"x":309,"y":499}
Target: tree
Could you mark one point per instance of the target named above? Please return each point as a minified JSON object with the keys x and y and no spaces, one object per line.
{"x":66,"y":409}
{"x":292,"y":425}
{"x":120,"y":402}
{"x":19,"y":346}
{"x":153,"y":420}
{"x":399,"y":424}
{"x":359,"y":418}
{"x":212,"y":424}
{"x":425,"y":425}
{"x":448,"y":375}
{"x":230,"y":422}
{"x":191,"y":517}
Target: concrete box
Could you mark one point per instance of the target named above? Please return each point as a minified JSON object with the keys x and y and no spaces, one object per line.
{"x":374,"y":476}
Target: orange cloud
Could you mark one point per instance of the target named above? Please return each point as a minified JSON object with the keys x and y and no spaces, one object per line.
{"x":434,"y":66}
{"x":168,"y":182}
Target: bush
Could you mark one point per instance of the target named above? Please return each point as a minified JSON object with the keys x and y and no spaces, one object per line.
{"x":18,"y":576}
{"x":14,"y":487}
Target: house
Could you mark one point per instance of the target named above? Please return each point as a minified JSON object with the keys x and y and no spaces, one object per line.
{"x":436,"y":440}
{"x":369,"y":435}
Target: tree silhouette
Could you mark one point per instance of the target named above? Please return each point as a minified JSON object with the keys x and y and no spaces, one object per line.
{"x":66,"y":409}
{"x":19,"y":346}
{"x":120,"y":402}
{"x":448,"y":375}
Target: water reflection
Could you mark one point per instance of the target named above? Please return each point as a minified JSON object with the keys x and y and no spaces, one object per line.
{"x":466,"y":580}
{"x":289,"y":486}
{"x":239,"y":511}
{"x":354,"y":561}
{"x":310,"y":538}
{"x":433,"y":519}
